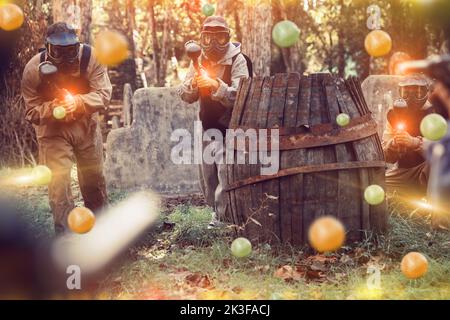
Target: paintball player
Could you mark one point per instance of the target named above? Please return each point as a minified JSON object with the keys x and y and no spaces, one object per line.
{"x":225,"y":66}
{"x":402,"y":140}
{"x":76,"y":137}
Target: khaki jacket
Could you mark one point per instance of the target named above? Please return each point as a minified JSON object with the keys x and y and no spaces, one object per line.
{"x":40,"y":113}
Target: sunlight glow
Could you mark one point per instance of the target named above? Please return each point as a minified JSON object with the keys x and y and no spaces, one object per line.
{"x":424,"y":204}
{"x":24,"y":179}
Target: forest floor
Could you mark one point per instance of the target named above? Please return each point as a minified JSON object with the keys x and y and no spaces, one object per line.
{"x":182,"y":259}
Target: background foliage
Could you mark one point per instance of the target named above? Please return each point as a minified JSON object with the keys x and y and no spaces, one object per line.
{"x":332,"y":39}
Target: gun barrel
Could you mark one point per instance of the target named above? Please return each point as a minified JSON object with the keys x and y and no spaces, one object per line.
{"x":413,"y":66}
{"x":193,"y":50}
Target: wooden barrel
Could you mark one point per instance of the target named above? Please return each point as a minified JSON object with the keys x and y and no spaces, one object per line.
{"x":324,"y":169}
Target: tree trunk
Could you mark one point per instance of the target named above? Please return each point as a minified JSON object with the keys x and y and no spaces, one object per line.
{"x":341,"y":45}
{"x":221,"y":7}
{"x":131,"y":25}
{"x":256,"y":35}
{"x":86,"y":20}
{"x":155,"y":43}
{"x":165,"y":48}
{"x":77,"y":13}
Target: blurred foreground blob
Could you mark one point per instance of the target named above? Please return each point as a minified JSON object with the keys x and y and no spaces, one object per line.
{"x":326,"y":234}
{"x":11,"y":17}
{"x":378,"y":43}
{"x":396,"y":59}
{"x":111,"y":48}
{"x":414,"y":265}
{"x":20,"y":256}
{"x":285,"y":34}
{"x":374,"y":195}
{"x":241,"y":248}
{"x":116,"y":229}
{"x":208,"y":9}
{"x":434,"y":127}
{"x":81,"y":220}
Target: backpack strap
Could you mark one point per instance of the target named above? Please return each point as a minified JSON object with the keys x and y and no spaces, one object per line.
{"x":42,"y":56}
{"x":85,"y":58}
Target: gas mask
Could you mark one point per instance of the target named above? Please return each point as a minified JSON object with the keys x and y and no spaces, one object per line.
{"x":215,"y":44}
{"x":415,"y":96}
{"x":65,"y":58}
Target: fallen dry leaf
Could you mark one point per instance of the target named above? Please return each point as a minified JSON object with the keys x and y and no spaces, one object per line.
{"x":198,"y":280}
{"x":287,"y":273}
{"x":318,"y":266}
{"x":315,"y":275}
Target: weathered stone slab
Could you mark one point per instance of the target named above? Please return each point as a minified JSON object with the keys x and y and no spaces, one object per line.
{"x":139,"y":156}
{"x":380,"y":92}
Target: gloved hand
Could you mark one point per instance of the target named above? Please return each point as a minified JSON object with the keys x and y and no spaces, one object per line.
{"x":74,"y":104}
{"x":204,"y":81}
{"x":404,"y":140}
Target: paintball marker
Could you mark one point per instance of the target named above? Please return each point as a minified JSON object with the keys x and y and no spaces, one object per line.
{"x":397,"y":117}
{"x":436,"y":68}
{"x":194,"y":51}
{"x":48,"y":73}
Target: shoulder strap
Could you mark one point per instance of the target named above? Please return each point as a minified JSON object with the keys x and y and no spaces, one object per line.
{"x":85,"y":58}
{"x":249,"y":63}
{"x":42,"y":56}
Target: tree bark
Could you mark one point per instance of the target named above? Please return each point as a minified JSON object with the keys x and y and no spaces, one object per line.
{"x":155,"y":42}
{"x":257,"y":34}
{"x":77,"y":13}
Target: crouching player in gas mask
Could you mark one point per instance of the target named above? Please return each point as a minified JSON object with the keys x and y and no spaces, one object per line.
{"x":215,"y":88}
{"x":66,"y":74}
{"x":402,"y":141}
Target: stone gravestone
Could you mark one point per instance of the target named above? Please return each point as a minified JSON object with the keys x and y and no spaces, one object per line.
{"x":380,"y":92}
{"x":139,"y":156}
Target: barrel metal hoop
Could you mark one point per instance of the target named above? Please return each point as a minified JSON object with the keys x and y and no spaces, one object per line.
{"x":307,"y":169}
{"x":319,"y":135}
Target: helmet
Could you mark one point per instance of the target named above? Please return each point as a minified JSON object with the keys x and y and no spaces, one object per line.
{"x":63,"y":47}
{"x":414,"y":90}
{"x":215,"y":38}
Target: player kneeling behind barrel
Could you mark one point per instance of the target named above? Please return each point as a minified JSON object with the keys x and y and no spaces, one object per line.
{"x":213,"y":80}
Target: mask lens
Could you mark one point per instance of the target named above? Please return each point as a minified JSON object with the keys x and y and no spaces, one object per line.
{"x":416,"y":92}
{"x":64,"y":52}
{"x":408,"y":92}
{"x":222,"y":38}
{"x":206,"y":38}
{"x":421,"y":92}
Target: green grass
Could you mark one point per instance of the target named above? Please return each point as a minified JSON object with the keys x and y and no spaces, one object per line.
{"x":190,"y":248}
{"x":182,"y":259}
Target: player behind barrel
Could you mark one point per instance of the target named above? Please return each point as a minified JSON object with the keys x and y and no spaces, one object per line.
{"x":213,"y":80}
{"x":403,"y":143}
{"x":66,"y":74}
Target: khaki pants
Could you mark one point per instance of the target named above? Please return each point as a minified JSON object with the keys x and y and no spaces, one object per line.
{"x":410,"y":182}
{"x":213,"y":178}
{"x":80,"y":142}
